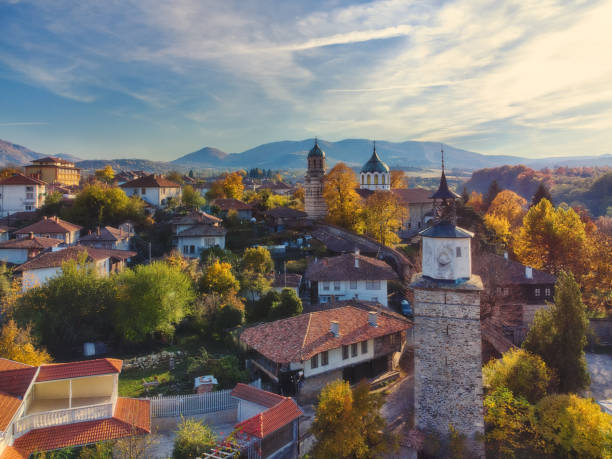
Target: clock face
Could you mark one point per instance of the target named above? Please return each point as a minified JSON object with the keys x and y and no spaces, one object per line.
{"x":444,"y":257}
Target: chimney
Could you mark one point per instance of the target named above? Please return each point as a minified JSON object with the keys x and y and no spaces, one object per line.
{"x":31,"y":235}
{"x":528,"y":272}
{"x":373,"y":318}
{"x":505,"y":255}
{"x":356,"y":258}
{"x":334,"y":327}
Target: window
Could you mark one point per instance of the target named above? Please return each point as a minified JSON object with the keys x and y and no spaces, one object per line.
{"x":373,"y":284}
{"x":185,"y":249}
{"x":458,"y":251}
{"x":324,"y":358}
{"x":363,"y":179}
{"x":375,"y":299}
{"x":376,"y":180}
{"x":28,"y":208}
{"x":143,"y":191}
{"x":383,"y":179}
{"x":344,"y":352}
{"x":325,"y":285}
{"x":336,"y":285}
{"x":354,"y":350}
{"x":499,"y":291}
{"x":192,"y":249}
{"x":537,"y":292}
{"x":546,"y":292}
{"x":506,"y":291}
{"x":314,"y":361}
{"x":29,"y":188}
{"x":369,"y":179}
{"x":353,"y":284}
{"x":29,"y":195}
{"x":364,"y":347}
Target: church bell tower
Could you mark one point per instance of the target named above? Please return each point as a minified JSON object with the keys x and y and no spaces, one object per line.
{"x":448,"y":355}
{"x":314,"y":204}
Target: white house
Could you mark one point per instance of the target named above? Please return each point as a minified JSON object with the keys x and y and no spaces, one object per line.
{"x":182,"y":222}
{"x":41,"y":268}
{"x":52,"y":227}
{"x":351,"y":276}
{"x":19,"y":193}
{"x":302,"y":353}
{"x":18,"y":251}
{"x":108,"y":238}
{"x":193,"y":240}
{"x":154,"y":189}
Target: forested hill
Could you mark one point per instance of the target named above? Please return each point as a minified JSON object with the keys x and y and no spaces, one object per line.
{"x":587,"y":186}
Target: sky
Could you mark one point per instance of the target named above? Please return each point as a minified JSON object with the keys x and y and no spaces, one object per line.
{"x":156,"y":79}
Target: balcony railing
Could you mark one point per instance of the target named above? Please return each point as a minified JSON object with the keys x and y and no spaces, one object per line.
{"x":62,"y":417}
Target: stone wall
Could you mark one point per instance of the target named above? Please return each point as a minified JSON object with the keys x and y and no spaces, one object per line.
{"x":312,"y":386}
{"x":153,"y":360}
{"x":448,"y":363}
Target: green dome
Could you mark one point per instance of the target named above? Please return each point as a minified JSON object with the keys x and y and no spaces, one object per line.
{"x":316,"y":151}
{"x":375,"y":164}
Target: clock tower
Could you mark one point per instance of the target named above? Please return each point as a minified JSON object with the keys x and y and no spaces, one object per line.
{"x":448,"y":356}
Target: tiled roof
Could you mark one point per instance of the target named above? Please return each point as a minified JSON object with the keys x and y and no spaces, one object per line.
{"x":289,"y":280}
{"x":275,"y":186}
{"x":285,"y":212}
{"x":35,"y":242}
{"x":263,"y":424}
{"x":56,"y":259}
{"x":15,"y":378}
{"x":20,"y":179}
{"x":231,"y":204}
{"x":202,"y":230}
{"x":13,"y":453}
{"x":51,"y":372}
{"x":151,"y":181}
{"x":49,"y":225}
{"x":6,"y":364}
{"x":51,"y":159}
{"x":132,"y":417}
{"x":495,"y":269}
{"x":299,"y":338}
{"x":9,"y":404}
{"x":257,"y":396}
{"x":194,"y":218}
{"x":342,"y":268}
{"x":107,"y":233}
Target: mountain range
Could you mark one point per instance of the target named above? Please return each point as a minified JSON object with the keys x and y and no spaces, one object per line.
{"x":292,"y":155}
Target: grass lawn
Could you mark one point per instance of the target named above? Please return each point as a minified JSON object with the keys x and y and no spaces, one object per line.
{"x":170,"y":382}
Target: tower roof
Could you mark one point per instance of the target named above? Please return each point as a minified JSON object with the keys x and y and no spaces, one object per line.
{"x":443,"y":191}
{"x":446,"y":231}
{"x":375,"y":164}
{"x":316,"y":151}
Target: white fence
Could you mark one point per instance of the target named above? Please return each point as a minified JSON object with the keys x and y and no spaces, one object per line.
{"x":189,"y":405}
{"x":60,"y":417}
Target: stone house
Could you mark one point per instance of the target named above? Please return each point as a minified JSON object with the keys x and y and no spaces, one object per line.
{"x":53,"y":227}
{"x":20,"y":193}
{"x":55,"y":406}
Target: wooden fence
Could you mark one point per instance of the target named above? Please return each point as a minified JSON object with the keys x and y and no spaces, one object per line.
{"x":189,"y":405}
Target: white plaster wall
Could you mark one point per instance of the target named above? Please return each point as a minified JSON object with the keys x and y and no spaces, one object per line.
{"x":14,"y":199}
{"x":154,"y":195}
{"x":336,"y":361}
{"x":17,"y":256}
{"x":37,"y":277}
{"x":200,"y":244}
{"x":435,"y":249}
{"x":363,"y":180}
{"x":248,"y":409}
{"x":347,"y":293}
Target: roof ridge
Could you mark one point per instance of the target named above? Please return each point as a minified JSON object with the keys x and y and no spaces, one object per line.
{"x":305,"y":334}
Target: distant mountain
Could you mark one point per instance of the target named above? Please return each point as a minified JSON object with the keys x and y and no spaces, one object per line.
{"x":11,"y":153}
{"x":157,"y":167}
{"x":206,"y":157}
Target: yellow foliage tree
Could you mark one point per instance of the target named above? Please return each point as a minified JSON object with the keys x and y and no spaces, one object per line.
{"x":399,"y":179}
{"x":106,"y":174}
{"x":509,"y":205}
{"x":476,"y":201}
{"x":383,"y":216}
{"x":219,"y":279}
{"x":343,"y":202}
{"x":232,"y":185}
{"x":18,"y":345}
{"x":500,"y":226}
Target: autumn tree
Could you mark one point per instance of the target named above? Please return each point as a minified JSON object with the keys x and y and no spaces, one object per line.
{"x":476,"y":201}
{"x":399,"y":179}
{"x":232,"y":185}
{"x":541,"y":193}
{"x":176,"y":177}
{"x":383,"y":216}
{"x":343,"y":202}
{"x":298,"y":198}
{"x":218,"y":279}
{"x":19,"y":345}
{"x":559,"y":335}
{"x":215,"y":191}
{"x":257,"y":259}
{"x":99,"y":205}
{"x":191,"y":198}
{"x":348,"y":423}
{"x":492,"y":192}
{"x":106,"y":174}
{"x":505,"y":214}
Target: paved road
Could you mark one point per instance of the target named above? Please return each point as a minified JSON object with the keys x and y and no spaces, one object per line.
{"x":600,"y":368}
{"x":398,"y":410}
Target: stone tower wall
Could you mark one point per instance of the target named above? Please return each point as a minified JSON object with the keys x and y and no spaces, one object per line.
{"x":314,"y":204}
{"x":448,"y":363}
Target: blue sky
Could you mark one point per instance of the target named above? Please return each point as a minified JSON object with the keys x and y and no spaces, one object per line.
{"x":157,"y":79}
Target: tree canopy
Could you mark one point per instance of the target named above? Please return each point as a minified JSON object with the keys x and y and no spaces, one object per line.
{"x":191,"y":199}
{"x":106,"y":174}
{"x":219,"y":279}
{"x":343,"y":202}
{"x":232,"y":185}
{"x":19,"y":345}
{"x":383,"y":216}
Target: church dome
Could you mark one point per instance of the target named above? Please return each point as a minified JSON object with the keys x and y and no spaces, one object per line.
{"x":316,"y":151}
{"x":375,"y":164}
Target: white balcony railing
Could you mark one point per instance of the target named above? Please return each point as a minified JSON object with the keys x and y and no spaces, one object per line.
{"x":62,"y":417}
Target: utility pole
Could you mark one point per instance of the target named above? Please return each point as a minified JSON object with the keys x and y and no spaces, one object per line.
{"x":149,"y":252}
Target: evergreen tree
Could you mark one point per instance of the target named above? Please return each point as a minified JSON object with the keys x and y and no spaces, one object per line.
{"x":541,"y":193}
{"x":493,"y":191}
{"x":190,"y":173}
{"x":558,"y":335}
{"x":465,"y":197}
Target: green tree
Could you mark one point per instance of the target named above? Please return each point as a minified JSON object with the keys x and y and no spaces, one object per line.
{"x":524,"y":374}
{"x":191,"y":198}
{"x":99,"y":205}
{"x":289,"y":305}
{"x":53,"y":204}
{"x":176,"y":177}
{"x":260,"y":309}
{"x":219,"y":279}
{"x":193,"y":439}
{"x":257,"y":259}
{"x":228,"y":316}
{"x":559,"y":335}
{"x":152,"y":298}
{"x":106,"y":174}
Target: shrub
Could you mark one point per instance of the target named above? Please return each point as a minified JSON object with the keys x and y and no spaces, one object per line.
{"x":193,"y":439}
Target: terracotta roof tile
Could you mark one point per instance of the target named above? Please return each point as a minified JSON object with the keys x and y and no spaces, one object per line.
{"x":288,"y":280}
{"x":58,"y":258}
{"x":13,"y":453}
{"x":299,"y":338}
{"x":194,"y":218}
{"x":16,"y":382}
{"x":50,"y":225}
{"x":342,"y":268}
{"x":9,"y":405}
{"x":6,"y":364}
{"x":257,"y":396}
{"x":20,"y":179}
{"x":95,"y":367}
{"x":495,"y":269}
{"x":35,"y":242}
{"x":263,"y":424}
{"x":151,"y":181}
{"x":202,"y":230}
{"x":231,"y":204}
{"x":107,"y":233}
{"x":51,"y":159}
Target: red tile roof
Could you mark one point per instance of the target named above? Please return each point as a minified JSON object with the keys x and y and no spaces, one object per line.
{"x":107,"y":233}
{"x":231,"y":204}
{"x":9,"y":405}
{"x":58,"y":258}
{"x":151,"y":181}
{"x":342,"y":268}
{"x":263,"y":424}
{"x":35,"y":242}
{"x":194,"y":218}
{"x":95,"y":367}
{"x":13,"y":453}
{"x":52,"y":159}
{"x":20,"y":179}
{"x":257,"y":396}
{"x":15,"y":379}
{"x":299,"y":338}
{"x":202,"y":230}
{"x":50,"y":225}
{"x":6,"y":364}
{"x":132,"y":417}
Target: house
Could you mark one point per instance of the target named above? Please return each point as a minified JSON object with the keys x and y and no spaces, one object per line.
{"x":349,"y":276}
{"x":196,"y":217}
{"x":108,"y":238}
{"x":18,"y":251}
{"x":154,"y":189}
{"x":4,"y":233}
{"x":54,"y":170}
{"x":282,"y":281}
{"x":53,"y":227}
{"x":279,"y":188}
{"x":268,"y":423}
{"x":301,"y":354}
{"x":39,"y":269}
{"x":55,"y":406}
{"x":126,"y":176}
{"x":280,"y":218}
{"x":227,"y":205}
{"x":20,"y":193}
{"x":193,"y":240}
